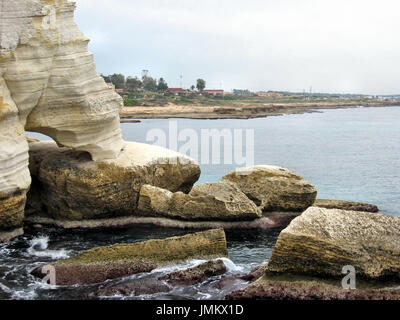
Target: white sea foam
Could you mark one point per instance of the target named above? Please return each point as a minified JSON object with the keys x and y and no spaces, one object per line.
{"x":230,"y":265}
{"x":39,"y":248}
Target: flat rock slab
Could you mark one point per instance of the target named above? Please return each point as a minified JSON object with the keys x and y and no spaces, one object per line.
{"x":322,"y":241}
{"x":265,"y":289}
{"x":272,"y":220}
{"x":345,"y":205}
{"x":99,"y":264}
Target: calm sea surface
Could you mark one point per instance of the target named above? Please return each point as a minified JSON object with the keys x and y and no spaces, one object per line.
{"x":349,"y":154}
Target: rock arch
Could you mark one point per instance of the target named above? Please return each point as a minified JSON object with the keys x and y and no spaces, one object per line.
{"x":48,"y":84}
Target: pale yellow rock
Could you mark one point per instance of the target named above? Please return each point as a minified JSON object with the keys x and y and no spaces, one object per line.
{"x":209,"y":201}
{"x":322,"y":241}
{"x":49,"y":84}
{"x":273,"y":188}
{"x":73,"y":187}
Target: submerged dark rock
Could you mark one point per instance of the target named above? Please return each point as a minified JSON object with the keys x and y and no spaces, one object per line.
{"x":137,"y":287}
{"x":311,"y":289}
{"x":165,"y":283}
{"x":196,"y":274}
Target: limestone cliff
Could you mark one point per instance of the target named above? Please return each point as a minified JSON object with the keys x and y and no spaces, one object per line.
{"x":48,"y":84}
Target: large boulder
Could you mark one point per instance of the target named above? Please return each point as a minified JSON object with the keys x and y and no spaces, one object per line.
{"x":308,"y":260}
{"x":323,"y":241}
{"x":68,"y":185}
{"x":273,"y":188}
{"x":118,"y":260}
{"x":209,"y":201}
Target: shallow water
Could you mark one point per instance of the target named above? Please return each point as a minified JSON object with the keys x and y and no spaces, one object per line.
{"x":349,"y":154}
{"x":18,"y":258}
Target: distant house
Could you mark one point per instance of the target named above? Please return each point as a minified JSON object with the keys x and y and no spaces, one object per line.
{"x":214,"y":92}
{"x":119,"y":90}
{"x":177,"y":91}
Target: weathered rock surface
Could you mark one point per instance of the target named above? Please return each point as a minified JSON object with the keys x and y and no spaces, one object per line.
{"x":323,"y":241}
{"x":196,"y":274}
{"x":276,"y":220}
{"x":48,"y":84}
{"x":231,"y":281}
{"x":136,"y":287}
{"x":68,"y":185}
{"x":273,"y":188}
{"x":208,"y":201}
{"x":345,"y":205}
{"x":8,"y":235}
{"x":102,"y":263}
{"x":315,"y":289}
{"x":166,"y":283}
{"x":310,"y":253}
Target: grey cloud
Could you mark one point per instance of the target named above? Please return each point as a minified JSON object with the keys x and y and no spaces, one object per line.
{"x":334,"y":46}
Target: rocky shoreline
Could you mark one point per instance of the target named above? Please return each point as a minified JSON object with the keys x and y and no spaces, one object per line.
{"x":152,"y":185}
{"x":319,"y":248}
{"x":244,"y":111}
{"x":90,"y":177}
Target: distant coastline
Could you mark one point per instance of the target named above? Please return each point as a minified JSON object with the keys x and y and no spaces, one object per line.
{"x":243,"y":111}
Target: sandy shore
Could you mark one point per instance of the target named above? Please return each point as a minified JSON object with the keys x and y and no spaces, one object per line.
{"x":243,"y":111}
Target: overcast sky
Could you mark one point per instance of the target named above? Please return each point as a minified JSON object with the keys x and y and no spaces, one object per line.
{"x":350,"y":46}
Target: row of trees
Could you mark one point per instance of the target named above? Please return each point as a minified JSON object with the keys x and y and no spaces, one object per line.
{"x":146,"y":83}
{"x":134,"y":83}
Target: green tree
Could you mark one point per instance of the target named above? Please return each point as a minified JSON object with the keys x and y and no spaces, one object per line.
{"x":133,"y":84}
{"x":118,"y":80}
{"x":192,"y":88}
{"x":149,"y":83}
{"x":162,"y":85}
{"x":107,"y":79}
{"x":201,"y":84}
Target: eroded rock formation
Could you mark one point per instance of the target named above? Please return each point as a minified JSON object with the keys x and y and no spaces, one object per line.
{"x":67,"y":185}
{"x":209,"y":201}
{"x":310,"y":254}
{"x":273,"y":188}
{"x":323,"y":241}
{"x":48,"y":84}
